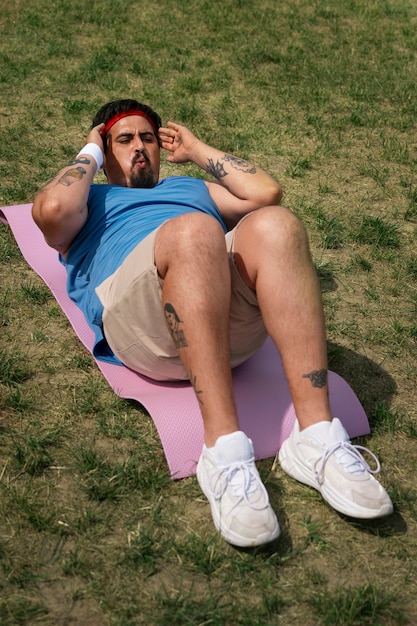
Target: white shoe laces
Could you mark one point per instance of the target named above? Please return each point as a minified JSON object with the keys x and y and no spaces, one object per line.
{"x":243,"y":481}
{"x":349,"y":456}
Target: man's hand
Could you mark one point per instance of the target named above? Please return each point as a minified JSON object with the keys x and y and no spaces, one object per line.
{"x":239,"y":187}
{"x":96,"y":135}
{"x":179,"y":141}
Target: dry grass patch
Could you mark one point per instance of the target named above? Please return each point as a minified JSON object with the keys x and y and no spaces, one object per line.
{"x":92,"y":530}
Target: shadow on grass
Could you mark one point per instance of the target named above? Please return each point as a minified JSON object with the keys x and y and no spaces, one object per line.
{"x":371,"y":383}
{"x":390,"y":526}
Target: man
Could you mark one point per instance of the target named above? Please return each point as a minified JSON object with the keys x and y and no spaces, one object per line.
{"x":184,"y":279}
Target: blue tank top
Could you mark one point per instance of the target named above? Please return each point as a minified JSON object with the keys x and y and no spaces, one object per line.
{"x":119,"y":218}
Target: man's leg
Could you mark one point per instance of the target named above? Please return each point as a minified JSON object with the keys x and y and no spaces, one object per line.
{"x":272,"y":255}
{"x":191,"y":258}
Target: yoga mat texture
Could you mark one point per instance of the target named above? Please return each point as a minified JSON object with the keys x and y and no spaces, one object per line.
{"x":264,"y":404}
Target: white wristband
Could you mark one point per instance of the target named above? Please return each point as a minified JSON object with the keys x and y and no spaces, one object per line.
{"x":95,"y":151}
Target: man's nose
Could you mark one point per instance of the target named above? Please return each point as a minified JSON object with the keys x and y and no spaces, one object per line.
{"x":139,"y":145}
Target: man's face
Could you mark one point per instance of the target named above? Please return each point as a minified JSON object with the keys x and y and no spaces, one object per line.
{"x":133,"y":154}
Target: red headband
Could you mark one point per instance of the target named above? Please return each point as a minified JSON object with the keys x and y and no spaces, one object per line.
{"x":112,"y":121}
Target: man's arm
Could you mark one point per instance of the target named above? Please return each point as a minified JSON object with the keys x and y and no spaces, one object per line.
{"x":240,"y":187}
{"x":60,"y":208}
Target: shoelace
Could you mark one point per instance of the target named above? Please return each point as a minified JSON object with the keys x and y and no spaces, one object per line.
{"x":248,"y":483}
{"x":351,"y":451}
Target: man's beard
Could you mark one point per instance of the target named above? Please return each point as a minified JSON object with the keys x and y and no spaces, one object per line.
{"x":142,"y":178}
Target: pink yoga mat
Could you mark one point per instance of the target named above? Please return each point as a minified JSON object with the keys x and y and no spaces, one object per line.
{"x":265,"y":409}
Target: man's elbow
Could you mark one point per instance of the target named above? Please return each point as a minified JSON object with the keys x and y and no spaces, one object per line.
{"x":48,"y":216}
{"x":278,"y":194}
{"x":272,"y":195}
{"x":45,"y":212}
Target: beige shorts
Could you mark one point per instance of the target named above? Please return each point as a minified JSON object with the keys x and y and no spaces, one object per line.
{"x":134,"y":322}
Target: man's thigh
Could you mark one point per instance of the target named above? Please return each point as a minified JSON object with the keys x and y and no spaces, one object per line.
{"x":133,"y":319}
{"x":134,"y":322}
{"x":247,"y":328}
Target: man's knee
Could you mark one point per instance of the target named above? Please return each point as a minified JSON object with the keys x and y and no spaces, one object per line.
{"x":186,"y":238}
{"x":277,"y":225}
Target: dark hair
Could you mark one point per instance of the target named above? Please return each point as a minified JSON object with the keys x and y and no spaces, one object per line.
{"x":115,"y":107}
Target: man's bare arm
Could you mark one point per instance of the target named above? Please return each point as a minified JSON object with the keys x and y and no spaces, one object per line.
{"x":240,"y":187}
{"x":60,"y":208}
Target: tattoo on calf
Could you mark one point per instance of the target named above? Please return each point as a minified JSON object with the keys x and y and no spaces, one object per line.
{"x":318,"y":378}
{"x":198,"y":392}
{"x":174,"y":323}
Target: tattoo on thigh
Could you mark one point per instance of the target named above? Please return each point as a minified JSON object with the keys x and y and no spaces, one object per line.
{"x":318,"y":378}
{"x":174,"y":325}
{"x":198,"y":392}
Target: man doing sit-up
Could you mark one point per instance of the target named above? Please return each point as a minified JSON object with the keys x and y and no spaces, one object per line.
{"x":184,"y":279}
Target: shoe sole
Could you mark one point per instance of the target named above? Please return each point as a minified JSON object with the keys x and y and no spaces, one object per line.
{"x":298,"y":471}
{"x":227,"y":534}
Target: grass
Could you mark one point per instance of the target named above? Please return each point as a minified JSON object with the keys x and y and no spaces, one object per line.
{"x":323,"y":96}
{"x":358,"y":607}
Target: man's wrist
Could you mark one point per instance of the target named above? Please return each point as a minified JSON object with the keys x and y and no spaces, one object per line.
{"x":95,"y":151}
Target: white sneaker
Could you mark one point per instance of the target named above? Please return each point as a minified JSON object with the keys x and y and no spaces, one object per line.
{"x":239,"y":502}
{"x":323,"y":457}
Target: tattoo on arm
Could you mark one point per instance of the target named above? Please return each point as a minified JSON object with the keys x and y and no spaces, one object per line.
{"x":71,"y":176}
{"x":174,"y":325}
{"x":216,"y":169}
{"x":82,"y":160}
{"x":318,"y":378}
{"x":240,"y":164}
